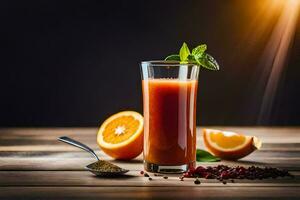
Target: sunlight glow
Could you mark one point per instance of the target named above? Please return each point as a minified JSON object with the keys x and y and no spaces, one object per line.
{"x":275,"y":54}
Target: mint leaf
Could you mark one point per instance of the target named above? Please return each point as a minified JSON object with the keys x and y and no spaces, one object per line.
{"x":199,"y":50}
{"x":198,"y":57}
{"x":174,"y":57}
{"x":204,"y":156}
{"x":208,"y":62}
{"x":184,"y":52}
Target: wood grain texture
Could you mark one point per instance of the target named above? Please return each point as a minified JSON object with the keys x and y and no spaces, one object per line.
{"x":36,"y":165}
{"x":201,"y":192}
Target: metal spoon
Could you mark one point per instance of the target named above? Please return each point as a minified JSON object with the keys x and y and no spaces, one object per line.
{"x":99,"y":168}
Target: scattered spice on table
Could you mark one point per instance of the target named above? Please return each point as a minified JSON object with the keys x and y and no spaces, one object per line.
{"x":197,"y":181}
{"x":224,"y":172}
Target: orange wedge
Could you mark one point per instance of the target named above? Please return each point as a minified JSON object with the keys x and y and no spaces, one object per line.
{"x":229,"y":145}
{"x":121,"y":135}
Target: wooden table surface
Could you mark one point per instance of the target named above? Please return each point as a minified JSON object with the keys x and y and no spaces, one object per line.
{"x":34,"y":165}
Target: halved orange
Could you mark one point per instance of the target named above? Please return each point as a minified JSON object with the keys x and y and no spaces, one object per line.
{"x":229,"y":145}
{"x":121,"y":135}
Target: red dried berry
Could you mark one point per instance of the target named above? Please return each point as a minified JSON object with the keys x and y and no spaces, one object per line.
{"x":222,"y":172}
{"x":200,"y":170}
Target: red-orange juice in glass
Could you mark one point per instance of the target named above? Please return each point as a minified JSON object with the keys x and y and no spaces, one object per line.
{"x":169,"y":116}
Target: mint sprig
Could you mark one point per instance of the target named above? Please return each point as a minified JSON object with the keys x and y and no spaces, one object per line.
{"x":204,"y":156}
{"x":198,"y":56}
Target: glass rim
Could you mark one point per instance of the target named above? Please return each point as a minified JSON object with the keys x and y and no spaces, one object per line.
{"x":166,"y":63}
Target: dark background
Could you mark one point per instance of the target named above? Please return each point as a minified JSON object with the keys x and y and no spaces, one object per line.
{"x":75,"y":63}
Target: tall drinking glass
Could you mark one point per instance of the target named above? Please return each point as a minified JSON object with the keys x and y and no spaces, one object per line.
{"x":169,"y":100}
